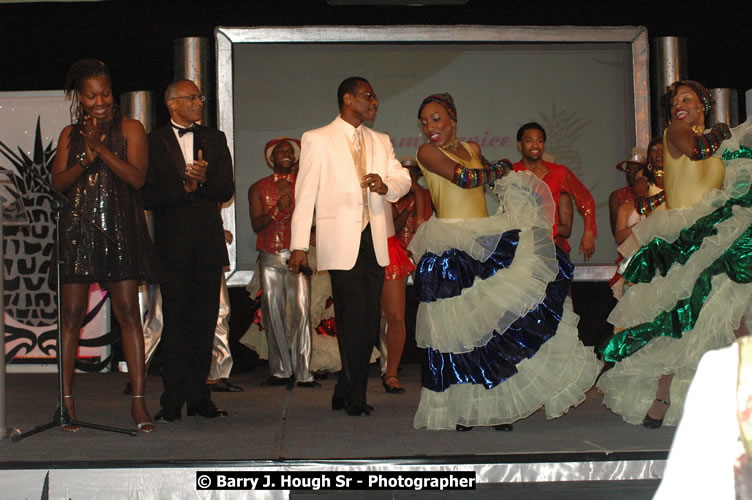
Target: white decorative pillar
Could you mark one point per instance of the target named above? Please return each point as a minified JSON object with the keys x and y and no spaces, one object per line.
{"x":192,"y":63}
{"x":726,"y":108}
{"x":139,"y":105}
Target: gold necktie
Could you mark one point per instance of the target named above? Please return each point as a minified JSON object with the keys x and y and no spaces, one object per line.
{"x":359,"y":158}
{"x":357,"y":139}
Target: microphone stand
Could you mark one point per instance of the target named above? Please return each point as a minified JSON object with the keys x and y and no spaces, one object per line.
{"x":61,"y":416}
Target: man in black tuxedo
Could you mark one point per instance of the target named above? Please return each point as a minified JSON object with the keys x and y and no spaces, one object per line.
{"x":189,"y":176}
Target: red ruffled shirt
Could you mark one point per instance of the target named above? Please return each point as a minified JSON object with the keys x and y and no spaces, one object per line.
{"x":560,"y":178}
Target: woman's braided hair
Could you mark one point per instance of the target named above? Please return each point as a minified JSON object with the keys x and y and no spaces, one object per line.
{"x":81,"y":71}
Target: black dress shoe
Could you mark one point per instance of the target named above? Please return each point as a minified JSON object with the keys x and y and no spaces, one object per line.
{"x":652,"y":423}
{"x":339,"y":404}
{"x":224,"y":385}
{"x":167,"y":415}
{"x":358,"y":410}
{"x":206,"y":409}
{"x":655,"y":423}
{"x":312,"y":383}
{"x":504,"y":427}
{"x":276,"y":381}
{"x":463,"y":428}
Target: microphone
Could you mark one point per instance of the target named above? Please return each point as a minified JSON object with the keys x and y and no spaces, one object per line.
{"x":286,"y":254}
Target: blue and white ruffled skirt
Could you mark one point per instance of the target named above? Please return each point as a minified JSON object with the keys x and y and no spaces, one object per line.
{"x":495,"y":318}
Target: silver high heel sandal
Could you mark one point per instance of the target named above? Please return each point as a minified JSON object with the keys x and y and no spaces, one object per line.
{"x":70,"y":427}
{"x":144,"y":427}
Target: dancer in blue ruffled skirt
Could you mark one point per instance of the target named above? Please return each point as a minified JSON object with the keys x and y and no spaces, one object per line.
{"x":494,"y":316}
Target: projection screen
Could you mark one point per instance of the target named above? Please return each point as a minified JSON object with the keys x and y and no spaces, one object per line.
{"x":588,"y":87}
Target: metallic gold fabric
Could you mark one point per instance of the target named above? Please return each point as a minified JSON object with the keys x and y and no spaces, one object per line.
{"x":452,"y":201}
{"x":686,"y":180}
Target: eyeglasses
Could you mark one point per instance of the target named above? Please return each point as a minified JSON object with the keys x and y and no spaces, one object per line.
{"x":367,"y":95}
{"x":192,"y":97}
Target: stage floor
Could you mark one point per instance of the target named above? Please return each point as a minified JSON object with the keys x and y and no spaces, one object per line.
{"x":272,"y":423}
{"x":587,"y":453}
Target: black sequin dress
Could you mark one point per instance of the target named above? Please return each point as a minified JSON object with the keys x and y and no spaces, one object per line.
{"x":100,"y":195}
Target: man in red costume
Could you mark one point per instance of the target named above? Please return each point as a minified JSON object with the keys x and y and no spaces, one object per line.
{"x":272,"y":201}
{"x":531,"y":142}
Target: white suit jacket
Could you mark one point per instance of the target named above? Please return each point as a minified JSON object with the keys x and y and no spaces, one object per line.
{"x":328,"y":181}
{"x":706,"y":442}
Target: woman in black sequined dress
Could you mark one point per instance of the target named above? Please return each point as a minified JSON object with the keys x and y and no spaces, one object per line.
{"x":100,"y":166}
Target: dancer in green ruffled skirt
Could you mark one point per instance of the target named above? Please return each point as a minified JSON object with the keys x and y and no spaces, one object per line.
{"x":690,"y":267}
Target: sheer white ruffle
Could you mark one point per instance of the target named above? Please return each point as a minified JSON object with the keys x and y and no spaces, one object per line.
{"x":498,"y":301}
{"x":646,"y":300}
{"x":490,"y":304}
{"x":557,"y":377}
{"x":525,"y":201}
{"x":630,"y":386}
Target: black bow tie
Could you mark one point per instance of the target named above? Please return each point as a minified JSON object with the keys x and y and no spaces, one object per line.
{"x":182,"y":131}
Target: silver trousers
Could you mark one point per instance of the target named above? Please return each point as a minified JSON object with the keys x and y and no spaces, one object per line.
{"x":221,"y":363}
{"x":286,"y":307}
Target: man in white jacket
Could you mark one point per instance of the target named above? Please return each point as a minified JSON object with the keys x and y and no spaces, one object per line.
{"x":347,"y":171}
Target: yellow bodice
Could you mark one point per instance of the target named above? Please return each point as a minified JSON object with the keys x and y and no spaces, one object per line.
{"x":686,"y":180}
{"x":450,"y":200}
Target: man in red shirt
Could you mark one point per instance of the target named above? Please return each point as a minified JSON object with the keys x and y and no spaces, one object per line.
{"x":272,"y":201}
{"x":531,"y":142}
